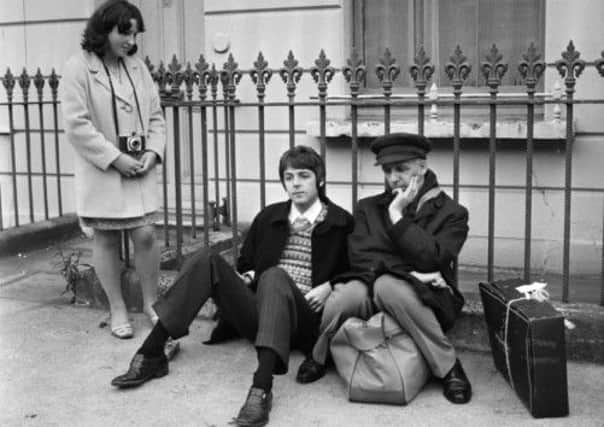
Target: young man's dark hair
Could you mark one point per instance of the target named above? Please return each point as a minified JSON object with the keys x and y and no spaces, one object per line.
{"x":304,"y":157}
{"x":109,"y":15}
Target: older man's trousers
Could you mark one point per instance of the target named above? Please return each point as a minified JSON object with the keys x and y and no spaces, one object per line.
{"x":277,"y":316}
{"x":396,"y":297}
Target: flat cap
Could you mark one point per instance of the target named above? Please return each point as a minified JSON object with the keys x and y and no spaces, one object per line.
{"x":400,"y":147}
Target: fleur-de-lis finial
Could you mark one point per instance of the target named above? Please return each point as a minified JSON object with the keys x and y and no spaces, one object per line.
{"x":175,"y":77}
{"x":458,"y":69}
{"x":421,"y":71}
{"x":291,"y":74}
{"x":39,"y":83}
{"x":493,"y":70}
{"x":203,"y":76}
{"x":190,"y":78}
{"x":261,"y":75}
{"x":150,"y":67}
{"x":322,"y":73}
{"x":531,"y":67}
{"x":570,"y":66}
{"x":354,"y":72}
{"x":162,"y":79}
{"x":9,"y":84}
{"x":600,"y":64}
{"x":231,"y":75}
{"x":53,"y":82}
{"x":387,"y":71}
{"x":24,"y":83}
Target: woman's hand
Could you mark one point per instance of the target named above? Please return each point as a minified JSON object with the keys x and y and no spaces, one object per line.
{"x":127,"y":165}
{"x":149,"y":160}
{"x":316,"y":296}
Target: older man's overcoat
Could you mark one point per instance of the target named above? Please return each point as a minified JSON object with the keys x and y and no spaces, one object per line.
{"x":425,"y":240}
{"x":100,"y":190}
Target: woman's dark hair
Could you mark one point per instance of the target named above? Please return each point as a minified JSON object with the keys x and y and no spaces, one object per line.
{"x":304,"y":157}
{"x":110,"y":14}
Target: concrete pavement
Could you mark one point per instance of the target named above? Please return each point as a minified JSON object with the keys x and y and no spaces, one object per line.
{"x":56,"y":364}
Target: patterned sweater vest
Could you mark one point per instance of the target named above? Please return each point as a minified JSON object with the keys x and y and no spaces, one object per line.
{"x":296,"y":258}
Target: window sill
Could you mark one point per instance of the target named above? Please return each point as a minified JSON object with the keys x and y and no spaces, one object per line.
{"x":551,"y":130}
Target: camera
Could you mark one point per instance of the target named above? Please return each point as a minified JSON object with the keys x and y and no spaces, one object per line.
{"x":132,"y":144}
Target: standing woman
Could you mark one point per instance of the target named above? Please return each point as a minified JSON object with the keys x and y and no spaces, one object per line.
{"x":114,"y":122}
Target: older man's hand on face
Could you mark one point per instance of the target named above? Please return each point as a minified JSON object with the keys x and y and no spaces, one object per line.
{"x":402,"y":199}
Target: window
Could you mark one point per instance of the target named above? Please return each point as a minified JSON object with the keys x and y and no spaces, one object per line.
{"x":441,"y":25}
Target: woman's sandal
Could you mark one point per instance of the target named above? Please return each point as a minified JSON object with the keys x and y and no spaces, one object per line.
{"x":123,"y":331}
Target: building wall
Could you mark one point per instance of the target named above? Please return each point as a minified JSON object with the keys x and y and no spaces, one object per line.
{"x":189,"y":28}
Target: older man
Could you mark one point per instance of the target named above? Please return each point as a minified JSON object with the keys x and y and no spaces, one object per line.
{"x":402,"y":254}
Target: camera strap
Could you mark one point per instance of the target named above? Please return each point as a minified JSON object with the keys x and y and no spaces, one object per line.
{"x":113,"y":103}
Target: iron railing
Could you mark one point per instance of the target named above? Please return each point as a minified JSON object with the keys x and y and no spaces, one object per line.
{"x":190,"y":98}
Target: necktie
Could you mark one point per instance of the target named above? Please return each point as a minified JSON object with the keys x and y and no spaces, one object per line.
{"x":301,"y":224}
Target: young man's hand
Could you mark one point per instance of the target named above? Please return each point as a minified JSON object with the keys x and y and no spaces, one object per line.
{"x":402,"y":199}
{"x":127,"y":165}
{"x":316,"y":296}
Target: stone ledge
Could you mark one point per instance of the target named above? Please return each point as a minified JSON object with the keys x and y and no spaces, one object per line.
{"x":512,"y":129}
{"x":37,"y":234}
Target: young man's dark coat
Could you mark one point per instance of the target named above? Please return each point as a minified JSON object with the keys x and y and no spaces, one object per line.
{"x":426,"y":241}
{"x":268,"y":235}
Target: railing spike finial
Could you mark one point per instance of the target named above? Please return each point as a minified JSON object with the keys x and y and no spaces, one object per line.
{"x":570,"y":66}
{"x":387,"y":71}
{"x":493,"y":69}
{"x":531,"y":67}
{"x":600,"y":64}
{"x":8,"y":82}
{"x":25,"y":83}
{"x":39,"y":84}
{"x":231,"y":75}
{"x":291,"y":74}
{"x":203,"y":76}
{"x":175,"y":77}
{"x":354,"y":72}
{"x":53,"y":82}
{"x":190,"y":77}
{"x":261,"y":75}
{"x":322,"y":73}
{"x":421,"y":71}
{"x":458,"y":69}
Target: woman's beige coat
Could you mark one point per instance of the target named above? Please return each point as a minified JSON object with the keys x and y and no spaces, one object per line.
{"x":100,"y":190}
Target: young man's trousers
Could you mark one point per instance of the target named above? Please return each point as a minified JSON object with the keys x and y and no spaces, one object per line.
{"x":277,"y":316}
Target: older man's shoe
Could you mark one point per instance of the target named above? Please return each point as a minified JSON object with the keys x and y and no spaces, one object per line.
{"x":255,"y":410}
{"x":310,"y":371}
{"x":142,"y":369}
{"x":457,"y":388}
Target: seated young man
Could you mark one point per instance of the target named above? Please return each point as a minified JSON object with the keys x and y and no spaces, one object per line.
{"x":402,"y":254}
{"x":275,"y":296}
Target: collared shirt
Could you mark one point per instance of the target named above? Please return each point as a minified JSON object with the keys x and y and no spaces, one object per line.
{"x":310,"y":214}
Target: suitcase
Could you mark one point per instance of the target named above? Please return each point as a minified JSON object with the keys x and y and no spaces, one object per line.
{"x":535,"y":364}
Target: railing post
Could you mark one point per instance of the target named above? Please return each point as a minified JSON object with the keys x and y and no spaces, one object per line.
{"x":387,"y":71}
{"x":569,"y":67}
{"x":261,"y":75}
{"x":493,"y":71}
{"x":354,"y":73}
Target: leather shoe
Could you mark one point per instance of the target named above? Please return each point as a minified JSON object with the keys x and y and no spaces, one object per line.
{"x":142,"y":369}
{"x":457,"y":388}
{"x":310,"y":371}
{"x":255,"y":410}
